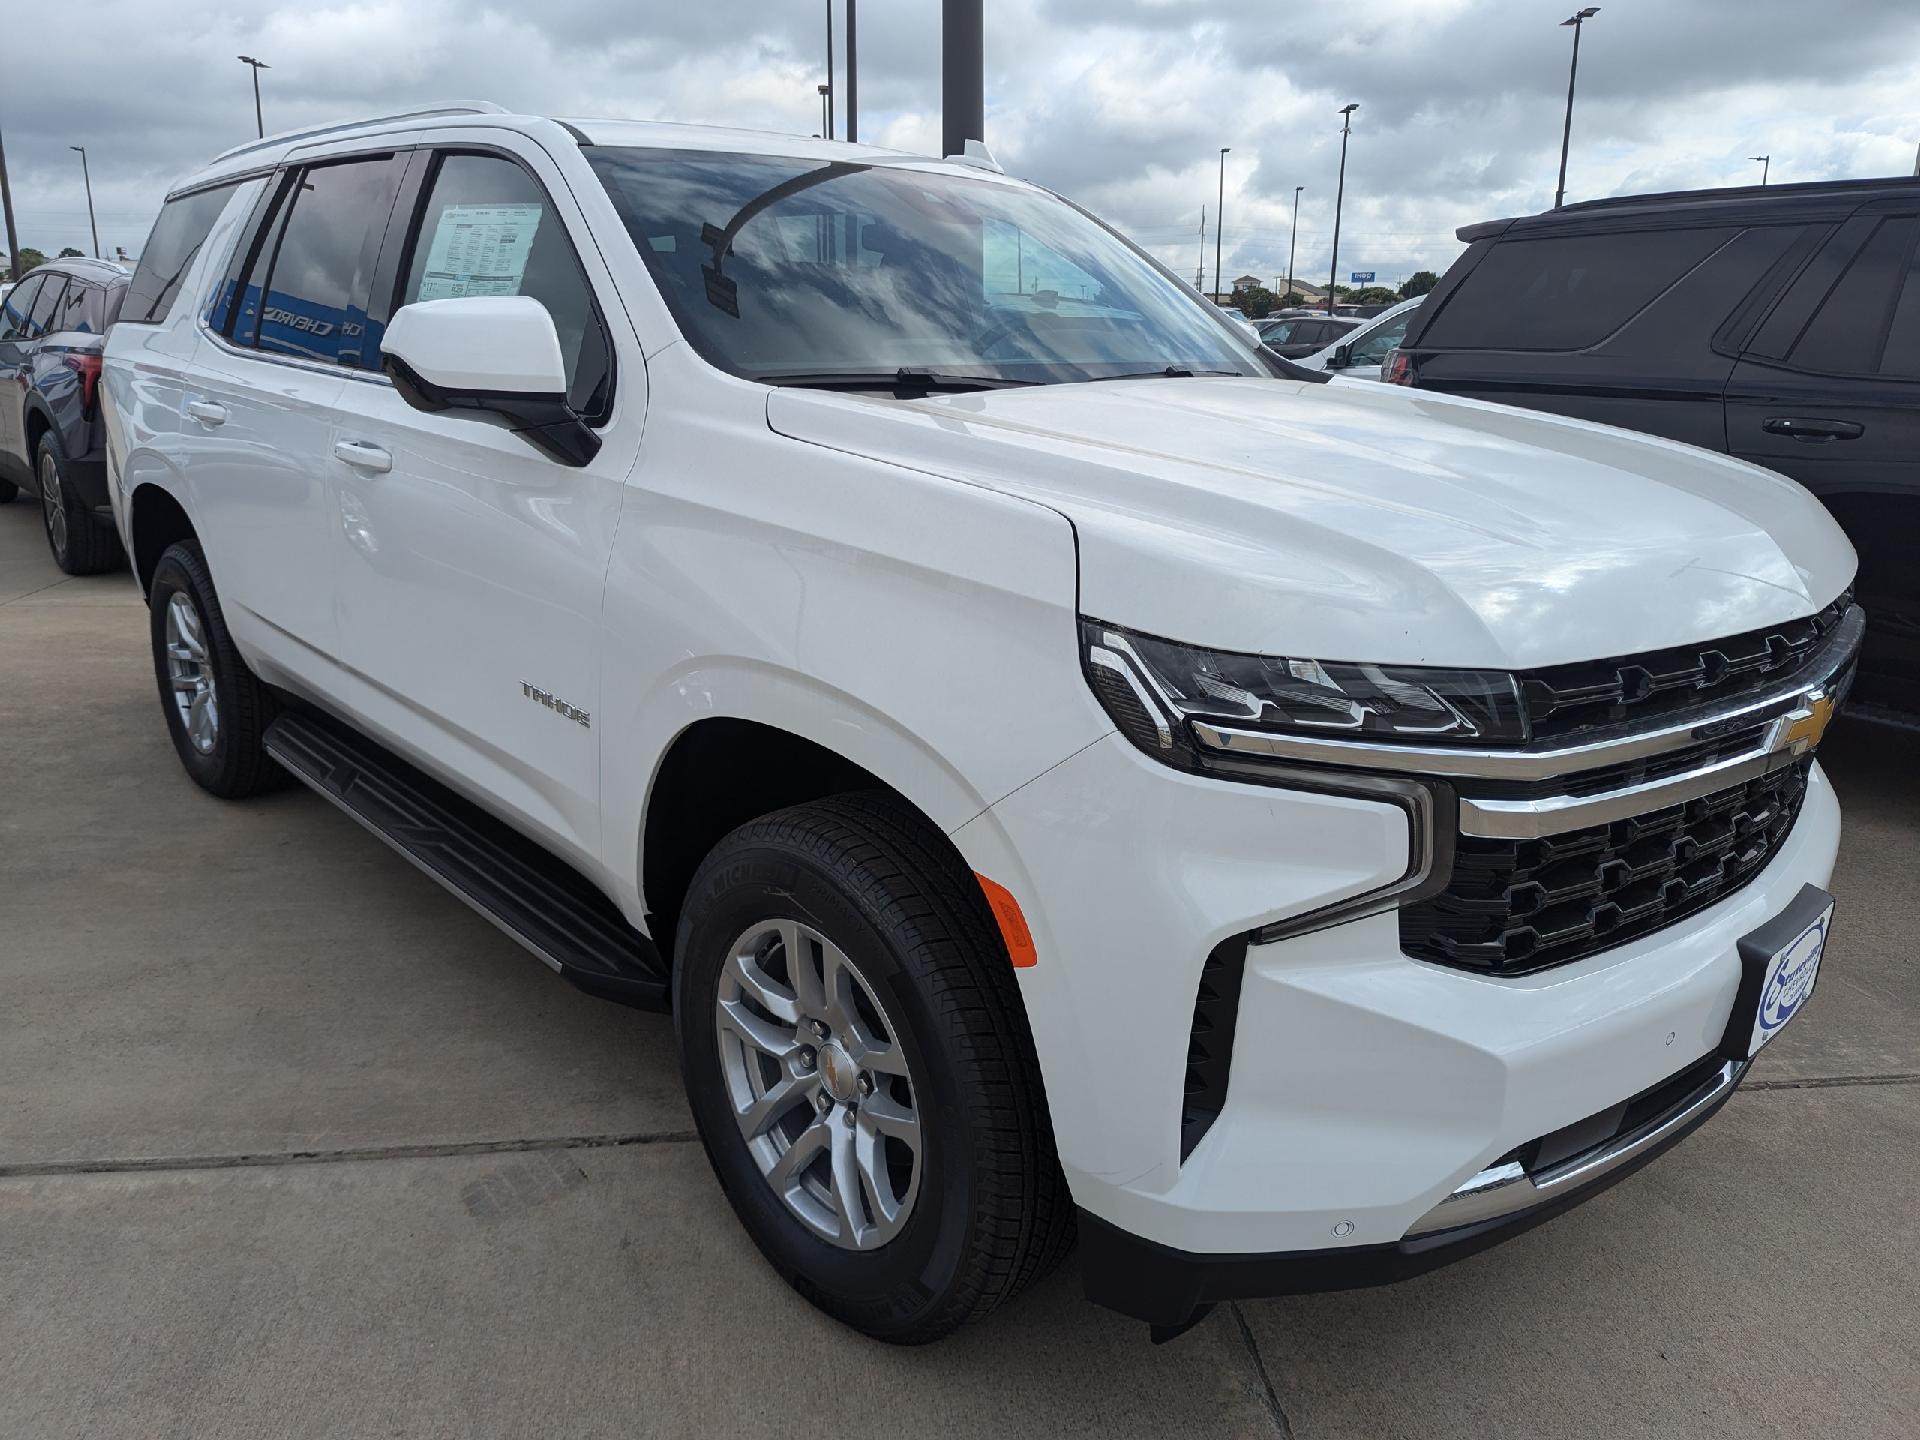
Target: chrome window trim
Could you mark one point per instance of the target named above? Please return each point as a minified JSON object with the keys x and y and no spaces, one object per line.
{"x":1544,"y":764}
{"x":1506,"y":1188}
{"x":274,"y":357}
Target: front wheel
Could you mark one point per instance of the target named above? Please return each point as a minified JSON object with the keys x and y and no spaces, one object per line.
{"x":860,"y":1069}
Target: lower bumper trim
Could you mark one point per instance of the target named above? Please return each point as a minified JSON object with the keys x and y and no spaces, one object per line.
{"x":1170,"y":1288}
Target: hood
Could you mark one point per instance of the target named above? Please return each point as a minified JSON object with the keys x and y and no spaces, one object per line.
{"x":1371,"y":523}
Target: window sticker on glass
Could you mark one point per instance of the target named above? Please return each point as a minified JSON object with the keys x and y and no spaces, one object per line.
{"x":479,"y":250}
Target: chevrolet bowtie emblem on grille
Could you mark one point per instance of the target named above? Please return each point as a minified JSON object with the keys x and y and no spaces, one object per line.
{"x":1799,"y":730}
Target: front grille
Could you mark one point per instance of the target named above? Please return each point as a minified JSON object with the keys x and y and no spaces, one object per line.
{"x":1563,"y":700}
{"x":1515,"y":906}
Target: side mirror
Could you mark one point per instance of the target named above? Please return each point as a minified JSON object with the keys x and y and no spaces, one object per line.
{"x":1341,"y":357}
{"x":498,"y":353}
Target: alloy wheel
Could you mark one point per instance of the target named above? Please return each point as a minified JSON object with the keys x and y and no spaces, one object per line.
{"x":54,"y":504}
{"x":190,"y":675}
{"x":819,"y":1084}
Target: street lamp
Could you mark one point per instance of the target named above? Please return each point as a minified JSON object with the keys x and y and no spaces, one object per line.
{"x":1576,"y":20}
{"x":1766,"y":164}
{"x":1295,"y":240}
{"x":1339,"y":198}
{"x":1220,"y":219}
{"x":258,"y":65}
{"x":826,"y":115}
{"x":89,"y":179}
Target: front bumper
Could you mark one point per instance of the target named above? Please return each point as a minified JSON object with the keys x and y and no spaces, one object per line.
{"x":1365,"y":1086}
{"x":1171,"y":1288}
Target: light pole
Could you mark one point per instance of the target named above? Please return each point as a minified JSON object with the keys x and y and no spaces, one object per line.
{"x":827,"y":89}
{"x":84,"y":175}
{"x":853,"y":78}
{"x":825,"y":113}
{"x":1339,"y":198}
{"x":1295,"y":239}
{"x":6,"y":205}
{"x":259,"y":124}
{"x":1576,"y":20}
{"x":1766,"y":164}
{"x":1220,"y":219}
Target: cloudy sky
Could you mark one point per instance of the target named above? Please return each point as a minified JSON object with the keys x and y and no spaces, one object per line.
{"x":1121,"y":104}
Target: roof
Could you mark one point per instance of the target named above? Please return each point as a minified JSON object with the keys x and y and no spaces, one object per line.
{"x":265,"y":154}
{"x":1819,"y":199}
{"x":101,"y":272}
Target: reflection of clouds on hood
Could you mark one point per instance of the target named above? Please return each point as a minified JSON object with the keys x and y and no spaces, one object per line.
{"x":1121,"y":104}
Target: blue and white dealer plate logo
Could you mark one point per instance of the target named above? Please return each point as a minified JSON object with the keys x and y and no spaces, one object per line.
{"x":1789,"y":980}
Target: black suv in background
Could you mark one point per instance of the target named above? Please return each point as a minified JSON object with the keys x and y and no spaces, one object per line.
{"x":53,"y":326}
{"x":1778,"y":324}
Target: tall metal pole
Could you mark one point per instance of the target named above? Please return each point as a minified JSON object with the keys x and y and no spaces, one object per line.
{"x":1220,"y":219}
{"x":1200,"y":270}
{"x":853,"y":77}
{"x":84,"y":175}
{"x":1576,"y":20}
{"x":259,"y":124}
{"x":823,"y":111}
{"x":829,"y":90}
{"x":1296,"y":236}
{"x":1766,"y":164}
{"x":963,"y":82}
{"x":6,"y":205}
{"x":1339,"y":199}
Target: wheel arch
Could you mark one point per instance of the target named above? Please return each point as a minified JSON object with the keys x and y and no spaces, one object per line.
{"x":155,"y":520}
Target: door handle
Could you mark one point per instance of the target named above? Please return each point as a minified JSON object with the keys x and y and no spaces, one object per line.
{"x":206,"y":412}
{"x":1814,"y":430}
{"x":363,"y":456}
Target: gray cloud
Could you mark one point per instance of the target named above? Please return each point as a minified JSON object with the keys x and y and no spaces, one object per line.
{"x":1122,"y":104}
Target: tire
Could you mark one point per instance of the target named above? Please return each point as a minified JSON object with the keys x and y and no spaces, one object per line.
{"x":230,"y":761}
{"x":987,"y":1211}
{"x":81,"y":545}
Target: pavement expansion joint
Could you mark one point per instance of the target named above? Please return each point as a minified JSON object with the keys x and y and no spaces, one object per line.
{"x":345,"y":1155}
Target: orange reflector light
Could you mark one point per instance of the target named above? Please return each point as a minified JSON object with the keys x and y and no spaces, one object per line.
{"x":1013,"y":925}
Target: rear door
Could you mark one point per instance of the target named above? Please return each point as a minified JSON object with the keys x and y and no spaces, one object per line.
{"x":286,"y":340}
{"x":1828,"y":392}
{"x":15,"y":313}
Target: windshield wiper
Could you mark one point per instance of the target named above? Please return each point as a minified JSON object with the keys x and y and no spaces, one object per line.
{"x":904,"y":378}
{"x":1170,"y":372}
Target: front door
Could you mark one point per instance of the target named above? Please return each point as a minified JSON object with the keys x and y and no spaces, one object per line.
{"x":474,"y":565}
{"x":15,"y":317}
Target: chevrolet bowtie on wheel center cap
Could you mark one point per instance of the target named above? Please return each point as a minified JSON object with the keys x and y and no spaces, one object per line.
{"x":818,"y":1083}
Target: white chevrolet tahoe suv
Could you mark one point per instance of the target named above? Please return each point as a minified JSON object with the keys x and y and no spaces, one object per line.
{"x":1065,"y":771}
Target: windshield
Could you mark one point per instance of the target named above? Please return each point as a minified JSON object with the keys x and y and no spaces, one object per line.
{"x":786,"y":268}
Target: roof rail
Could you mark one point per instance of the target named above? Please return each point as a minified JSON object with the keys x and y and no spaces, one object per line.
{"x":288,"y":137}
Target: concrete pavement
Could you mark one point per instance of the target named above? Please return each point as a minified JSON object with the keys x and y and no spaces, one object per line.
{"x":293,"y":1144}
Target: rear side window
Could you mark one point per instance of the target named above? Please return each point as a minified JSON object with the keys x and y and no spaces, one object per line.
{"x":177,"y":237}
{"x":18,"y":306}
{"x":45,"y":306}
{"x":319,"y":264}
{"x":78,"y":310}
{"x":1870,"y":312}
{"x":489,"y":229}
{"x":1565,"y":292}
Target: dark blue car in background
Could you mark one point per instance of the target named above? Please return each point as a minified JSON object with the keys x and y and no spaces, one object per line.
{"x":53,"y":326}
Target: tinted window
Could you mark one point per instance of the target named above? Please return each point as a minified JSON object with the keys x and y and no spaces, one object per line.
{"x":18,"y":306}
{"x":1902,"y":355}
{"x":45,"y":305}
{"x":1851,"y":327}
{"x":177,"y":237}
{"x":1566,"y":292}
{"x":778,"y":266}
{"x":489,"y":229}
{"x":321,"y":267}
{"x":1372,"y":349}
{"x":79,"y":310}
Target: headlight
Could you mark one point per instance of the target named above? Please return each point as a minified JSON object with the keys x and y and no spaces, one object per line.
{"x":1153,"y":688}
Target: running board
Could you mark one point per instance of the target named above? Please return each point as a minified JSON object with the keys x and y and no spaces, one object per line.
{"x":533,"y":895}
